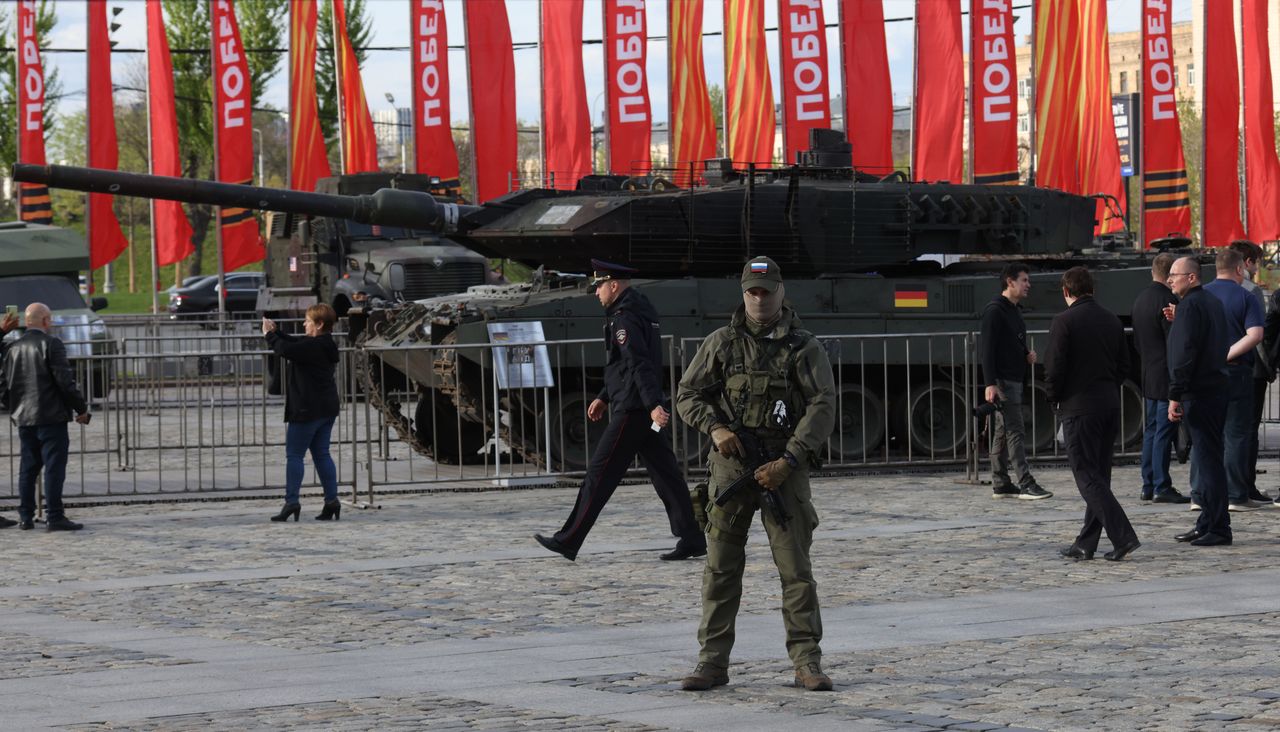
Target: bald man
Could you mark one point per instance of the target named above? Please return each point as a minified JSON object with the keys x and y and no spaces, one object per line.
{"x":39,"y":389}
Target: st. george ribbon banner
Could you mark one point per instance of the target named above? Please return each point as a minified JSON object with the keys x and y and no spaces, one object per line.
{"x":233,"y":136}
{"x":308,"y":160}
{"x":33,"y":200}
{"x":1220,"y":186}
{"x":1166,"y":201}
{"x":749,"y":124}
{"x":693,"y":132}
{"x":492,"y":75}
{"x":566,"y":123}
{"x":868,"y":93}
{"x":1262,"y":168}
{"x":106,"y":240}
{"x":434,"y":151}
{"x":994,"y":112}
{"x":938,"y":131}
{"x":359,"y":144}
{"x":626,"y":87}
{"x":806,"y":98}
{"x":170,"y":230}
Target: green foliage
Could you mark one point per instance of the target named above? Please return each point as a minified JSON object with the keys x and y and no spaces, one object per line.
{"x":1192,"y":139}
{"x":359,"y":31}
{"x":46,"y":18}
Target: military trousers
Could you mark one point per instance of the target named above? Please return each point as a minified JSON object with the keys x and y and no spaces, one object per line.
{"x":727,"y":528}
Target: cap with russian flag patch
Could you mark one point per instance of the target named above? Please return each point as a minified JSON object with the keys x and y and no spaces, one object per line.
{"x":761,"y":272}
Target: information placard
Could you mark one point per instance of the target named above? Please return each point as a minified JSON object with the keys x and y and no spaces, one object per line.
{"x":520,"y":366}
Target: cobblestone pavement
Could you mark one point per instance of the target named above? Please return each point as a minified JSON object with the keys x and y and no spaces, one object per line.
{"x":944,"y":609}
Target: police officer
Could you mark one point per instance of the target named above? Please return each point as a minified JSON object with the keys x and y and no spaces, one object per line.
{"x":765,"y":374}
{"x":633,"y":394}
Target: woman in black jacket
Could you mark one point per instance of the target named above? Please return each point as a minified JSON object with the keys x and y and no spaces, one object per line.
{"x":310,"y":406}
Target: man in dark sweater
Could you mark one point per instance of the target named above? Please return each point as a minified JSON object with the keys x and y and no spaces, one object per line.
{"x":1086,"y":362}
{"x":1198,"y":344}
{"x":1150,"y":333}
{"x":1005,"y":361}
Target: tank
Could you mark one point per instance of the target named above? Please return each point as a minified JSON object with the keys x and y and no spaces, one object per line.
{"x":850,"y":246}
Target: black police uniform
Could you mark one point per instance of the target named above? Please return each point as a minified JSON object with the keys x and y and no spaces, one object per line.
{"x":633,"y":387}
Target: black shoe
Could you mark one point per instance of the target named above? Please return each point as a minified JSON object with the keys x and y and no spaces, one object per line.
{"x":1005,"y":491}
{"x":1034,"y":493}
{"x":1144,"y":496}
{"x":289,"y":509}
{"x":1258,"y":496}
{"x":1120,"y":552}
{"x":1075,"y":552}
{"x":62,"y":524}
{"x":26,"y":524}
{"x":1170,"y":496}
{"x":1191,"y":535}
{"x":557,"y":547}
{"x":1211,"y":539}
{"x":332,"y":511}
{"x":684,"y":552}
{"x":7,"y":522}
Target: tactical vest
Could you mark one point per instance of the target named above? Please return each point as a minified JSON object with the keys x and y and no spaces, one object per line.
{"x":763,"y":395}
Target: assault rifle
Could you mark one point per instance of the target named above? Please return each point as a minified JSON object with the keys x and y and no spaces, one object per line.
{"x":756,"y":456}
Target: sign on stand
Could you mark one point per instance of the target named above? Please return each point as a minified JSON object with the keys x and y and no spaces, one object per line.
{"x":521,"y":361}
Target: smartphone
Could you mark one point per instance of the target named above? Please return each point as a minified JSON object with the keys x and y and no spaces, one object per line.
{"x":11,"y":310}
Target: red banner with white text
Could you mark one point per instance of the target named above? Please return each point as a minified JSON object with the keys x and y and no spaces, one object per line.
{"x":1166,"y":201}
{"x":233,"y":136}
{"x":434,"y":151}
{"x":359,"y":144}
{"x":868,"y":93}
{"x":626,"y":86}
{"x":308,"y":159}
{"x":994,"y":110}
{"x":492,"y":74}
{"x":806,"y":98}
{"x":1262,"y":168}
{"x":33,"y":199}
{"x":938,"y":136}
{"x":693,"y":131}
{"x":106,"y":240}
{"x":749,"y":123}
{"x":566,"y":123}
{"x":1220,"y":213}
{"x":170,"y":229}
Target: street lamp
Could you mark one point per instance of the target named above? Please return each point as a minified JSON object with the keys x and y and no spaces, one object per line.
{"x":399,"y":130}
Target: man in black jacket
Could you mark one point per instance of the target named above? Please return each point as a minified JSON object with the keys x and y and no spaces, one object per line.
{"x":1086,"y":362}
{"x":1005,"y":361}
{"x":38,"y":388}
{"x":1198,"y":344}
{"x":9,"y":323}
{"x":1150,"y":335}
{"x":633,"y":394}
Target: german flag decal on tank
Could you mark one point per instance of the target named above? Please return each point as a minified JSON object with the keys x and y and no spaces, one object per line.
{"x":910,"y":296}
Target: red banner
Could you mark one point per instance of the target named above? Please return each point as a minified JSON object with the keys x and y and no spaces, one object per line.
{"x":626,"y":87}
{"x":233,"y":136}
{"x":939,"y":107}
{"x":994,"y":111}
{"x":693,"y":131}
{"x":1166,"y":203}
{"x":868,"y":94}
{"x":170,"y":229}
{"x":308,"y":160}
{"x":806,"y":99}
{"x":1058,"y":78}
{"x":106,"y":241}
{"x":33,"y":200}
{"x":1220,"y":211}
{"x":491,"y":70}
{"x":1099,"y":149}
{"x":749,"y":123}
{"x":435,"y":153}
{"x":1262,"y":168}
{"x":566,"y":123}
{"x":359,"y":144}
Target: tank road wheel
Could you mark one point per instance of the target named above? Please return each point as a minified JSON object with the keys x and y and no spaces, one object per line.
{"x":934,"y":419}
{"x":1132,"y":415}
{"x":859,"y":424}
{"x":573,"y":436}
{"x":437,"y":427}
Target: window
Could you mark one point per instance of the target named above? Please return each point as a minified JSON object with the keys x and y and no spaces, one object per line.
{"x":1022,"y":88}
{"x":1191,"y":74}
{"x":1175,"y":76}
{"x":1124,"y":82}
{"x":1024,"y":123}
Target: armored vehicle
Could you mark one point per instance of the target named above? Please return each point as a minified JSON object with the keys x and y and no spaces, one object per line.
{"x":861,"y":255}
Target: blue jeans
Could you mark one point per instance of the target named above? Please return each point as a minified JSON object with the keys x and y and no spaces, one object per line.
{"x":314,"y":436}
{"x":1157,"y":448}
{"x":43,"y":446}
{"x":1237,"y":445}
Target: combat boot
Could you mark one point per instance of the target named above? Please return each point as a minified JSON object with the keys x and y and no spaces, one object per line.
{"x":810,"y":676}
{"x":704,"y":677}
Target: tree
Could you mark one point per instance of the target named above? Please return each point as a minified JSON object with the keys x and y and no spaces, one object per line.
{"x":358,"y":30}
{"x":1192,"y":139}
{"x":46,"y":18}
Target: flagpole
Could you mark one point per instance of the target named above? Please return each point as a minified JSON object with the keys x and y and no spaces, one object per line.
{"x":217,"y":210}
{"x":1032,"y":98}
{"x":288,"y":118}
{"x":88,"y":148}
{"x":337,"y":82}
{"x":151,"y":204}
{"x":547,"y":180}
{"x":1204,"y":47}
{"x":915,"y":93}
{"x":973,"y":82}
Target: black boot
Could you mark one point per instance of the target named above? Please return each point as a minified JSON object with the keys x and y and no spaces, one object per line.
{"x":290,"y":509}
{"x":332,"y":511}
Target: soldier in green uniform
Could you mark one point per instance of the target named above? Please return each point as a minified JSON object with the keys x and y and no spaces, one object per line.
{"x":766,"y":375}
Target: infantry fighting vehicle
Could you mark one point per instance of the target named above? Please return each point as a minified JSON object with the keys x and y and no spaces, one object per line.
{"x":861,"y":255}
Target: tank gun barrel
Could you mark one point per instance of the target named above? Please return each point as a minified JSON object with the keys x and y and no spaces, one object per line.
{"x":386,"y":207}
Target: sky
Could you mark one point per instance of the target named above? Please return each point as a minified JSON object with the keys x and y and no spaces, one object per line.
{"x":389,"y":72}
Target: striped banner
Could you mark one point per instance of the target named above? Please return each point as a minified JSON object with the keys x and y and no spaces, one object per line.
{"x":693,"y":132}
{"x":308,"y":160}
{"x":1099,"y":150}
{"x":1166,"y":203}
{"x":359,"y":143}
{"x":749,"y":123}
{"x":1058,"y":78}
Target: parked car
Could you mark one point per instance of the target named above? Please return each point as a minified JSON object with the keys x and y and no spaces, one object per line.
{"x":200,"y":299}
{"x":186,"y":282}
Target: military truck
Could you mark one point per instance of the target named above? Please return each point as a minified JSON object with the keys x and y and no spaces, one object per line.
{"x":342,"y":262}
{"x":40,"y":263}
